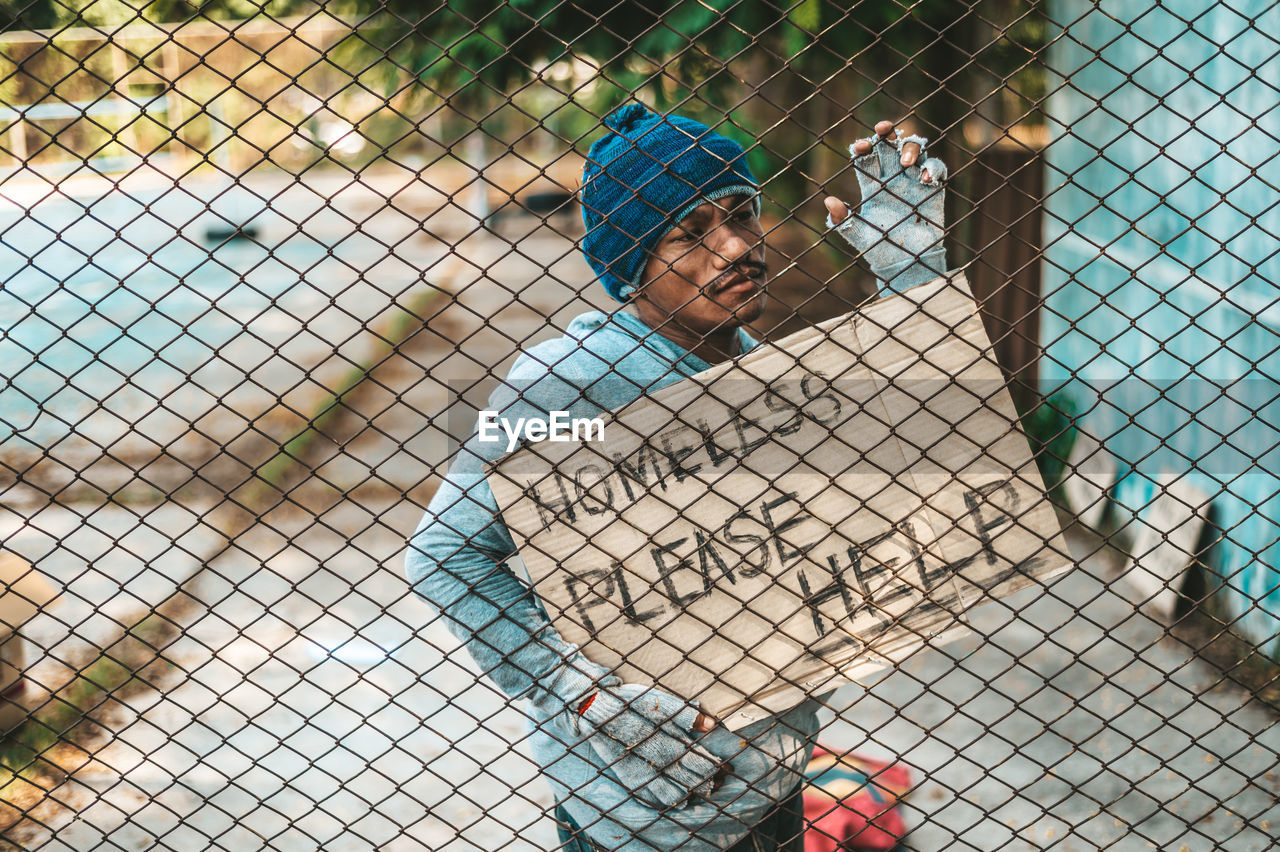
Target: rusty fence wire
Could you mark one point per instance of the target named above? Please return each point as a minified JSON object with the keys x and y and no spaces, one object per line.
{"x":263,"y":265}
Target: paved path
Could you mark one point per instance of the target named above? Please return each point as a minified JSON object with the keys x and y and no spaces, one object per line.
{"x":325,"y":708}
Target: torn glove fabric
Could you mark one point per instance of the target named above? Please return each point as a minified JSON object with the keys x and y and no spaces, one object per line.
{"x":644,"y":737}
{"x":899,"y":227}
{"x":641,"y":735}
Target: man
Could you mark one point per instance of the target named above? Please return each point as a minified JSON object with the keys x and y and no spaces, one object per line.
{"x":673,"y":231}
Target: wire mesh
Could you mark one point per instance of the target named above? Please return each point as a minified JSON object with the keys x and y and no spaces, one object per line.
{"x":264,"y":265}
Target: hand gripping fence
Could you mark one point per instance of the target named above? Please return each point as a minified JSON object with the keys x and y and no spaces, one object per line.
{"x":343,"y":508}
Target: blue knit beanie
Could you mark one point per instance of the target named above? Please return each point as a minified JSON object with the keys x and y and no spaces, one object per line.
{"x":642,"y":178}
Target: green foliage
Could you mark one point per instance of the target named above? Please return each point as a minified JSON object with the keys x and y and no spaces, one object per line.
{"x":130,"y":665}
{"x":58,"y":14}
{"x":565,"y":65}
{"x":1050,"y":427}
{"x":28,"y":14}
{"x":462,"y":50}
{"x":785,"y":75}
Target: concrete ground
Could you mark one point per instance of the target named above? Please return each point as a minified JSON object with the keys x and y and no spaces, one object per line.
{"x":1070,"y":721}
{"x":317,"y":704}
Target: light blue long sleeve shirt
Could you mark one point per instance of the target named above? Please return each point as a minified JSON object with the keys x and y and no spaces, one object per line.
{"x":456,"y":561}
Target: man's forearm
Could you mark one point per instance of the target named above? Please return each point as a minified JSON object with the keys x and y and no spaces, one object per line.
{"x":455,"y":562}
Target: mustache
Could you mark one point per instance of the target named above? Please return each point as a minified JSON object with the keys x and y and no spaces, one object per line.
{"x":752,"y":269}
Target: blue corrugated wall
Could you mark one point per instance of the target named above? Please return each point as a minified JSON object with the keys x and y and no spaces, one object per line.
{"x":1162,"y":314}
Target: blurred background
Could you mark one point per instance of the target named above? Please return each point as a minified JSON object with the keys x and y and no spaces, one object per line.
{"x":253,"y":258}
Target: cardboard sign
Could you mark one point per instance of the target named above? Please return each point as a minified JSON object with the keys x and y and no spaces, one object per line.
{"x":809,"y":512}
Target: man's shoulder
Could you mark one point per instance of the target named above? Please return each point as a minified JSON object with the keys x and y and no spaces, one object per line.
{"x":584,"y":352}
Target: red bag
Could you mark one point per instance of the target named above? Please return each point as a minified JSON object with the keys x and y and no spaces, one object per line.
{"x":852,"y":802}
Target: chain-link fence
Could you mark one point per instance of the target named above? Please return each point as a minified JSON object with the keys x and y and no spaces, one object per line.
{"x":267,"y":270}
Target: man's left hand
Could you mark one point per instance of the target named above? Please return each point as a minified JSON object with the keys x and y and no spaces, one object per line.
{"x":899,"y":226}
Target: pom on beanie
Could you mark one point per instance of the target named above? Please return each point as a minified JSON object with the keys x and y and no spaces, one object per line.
{"x":643,"y":177}
{"x":625,"y":118}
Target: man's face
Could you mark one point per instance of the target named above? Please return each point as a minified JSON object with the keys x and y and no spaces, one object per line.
{"x":708,"y":272}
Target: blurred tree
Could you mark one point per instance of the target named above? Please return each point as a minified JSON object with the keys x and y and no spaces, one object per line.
{"x":794,"y":82}
{"x":56,"y":14}
{"x":28,"y":14}
{"x":815,"y":61}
